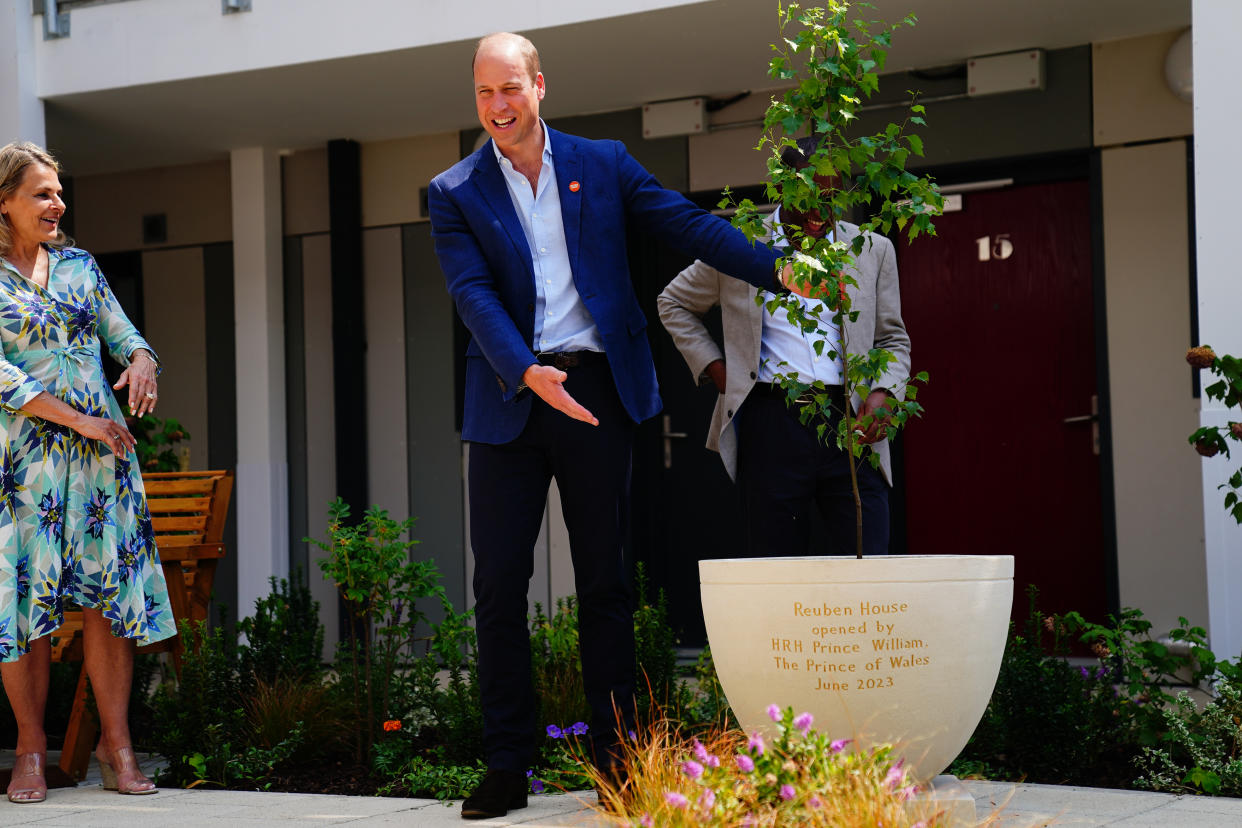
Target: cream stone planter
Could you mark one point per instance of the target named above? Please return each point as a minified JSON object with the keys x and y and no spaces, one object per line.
{"x":893,"y":649}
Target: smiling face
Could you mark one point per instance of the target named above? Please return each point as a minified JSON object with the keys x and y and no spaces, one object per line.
{"x":812,"y":222}
{"x":507,"y":98}
{"x":34,"y":209}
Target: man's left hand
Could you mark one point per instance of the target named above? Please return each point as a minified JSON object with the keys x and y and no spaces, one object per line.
{"x":878,"y":429}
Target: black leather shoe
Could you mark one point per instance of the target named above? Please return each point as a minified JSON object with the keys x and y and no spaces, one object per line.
{"x":500,"y":792}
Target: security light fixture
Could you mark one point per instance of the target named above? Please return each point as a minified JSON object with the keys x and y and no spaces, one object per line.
{"x":55,"y":21}
{"x":234,"y":6}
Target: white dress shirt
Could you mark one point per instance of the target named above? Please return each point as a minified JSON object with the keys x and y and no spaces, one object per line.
{"x":785,"y":349}
{"x":562,"y":322}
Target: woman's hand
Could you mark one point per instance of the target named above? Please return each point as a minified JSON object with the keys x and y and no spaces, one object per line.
{"x":114,"y":434}
{"x":140,"y":377}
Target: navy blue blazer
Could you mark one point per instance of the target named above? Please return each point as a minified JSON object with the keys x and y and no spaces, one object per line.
{"x":487,"y":265}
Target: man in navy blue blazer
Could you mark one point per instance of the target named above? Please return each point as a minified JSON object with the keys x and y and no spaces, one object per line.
{"x":530,"y":231}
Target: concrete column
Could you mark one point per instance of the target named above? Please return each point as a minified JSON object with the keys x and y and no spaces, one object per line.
{"x":19,"y":99}
{"x":262,"y":461}
{"x":1216,"y":101}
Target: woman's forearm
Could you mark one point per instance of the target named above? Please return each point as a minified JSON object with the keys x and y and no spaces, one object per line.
{"x":48,"y":407}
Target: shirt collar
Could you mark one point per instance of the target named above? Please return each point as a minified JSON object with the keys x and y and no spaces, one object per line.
{"x":505,"y":163}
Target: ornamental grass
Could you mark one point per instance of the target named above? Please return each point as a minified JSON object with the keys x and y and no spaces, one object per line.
{"x":725,"y":777}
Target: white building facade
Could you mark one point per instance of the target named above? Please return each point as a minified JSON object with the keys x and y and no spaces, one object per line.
{"x":254,"y":171}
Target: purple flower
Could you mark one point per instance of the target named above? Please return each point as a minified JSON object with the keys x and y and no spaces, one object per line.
{"x":1085,"y":672}
{"x":1101,"y":673}
{"x":578,"y":728}
{"x":648,"y":822}
{"x":787,"y":792}
{"x":536,"y":785}
{"x":713,"y":761}
{"x":804,"y":721}
{"x":555,"y":732}
{"x":744,"y":763}
{"x":839,"y":745}
{"x":707,"y":799}
{"x":633,"y":736}
{"x":700,"y":752}
{"x":895,"y":776}
{"x":756,"y":744}
{"x":907,"y":793}
{"x":692,"y":769}
{"x":675,"y":799}
{"x":774,"y":713}
{"x":814,"y":802}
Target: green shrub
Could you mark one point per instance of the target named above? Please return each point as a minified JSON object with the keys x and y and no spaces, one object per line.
{"x":655,"y":651}
{"x":556,"y":664}
{"x":202,"y":713}
{"x":284,"y":637}
{"x":1201,"y":752}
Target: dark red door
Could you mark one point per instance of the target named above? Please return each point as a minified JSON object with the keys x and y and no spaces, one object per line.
{"x":999,"y":309}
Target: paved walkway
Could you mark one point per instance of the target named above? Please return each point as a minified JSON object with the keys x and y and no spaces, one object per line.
{"x":1019,"y":806}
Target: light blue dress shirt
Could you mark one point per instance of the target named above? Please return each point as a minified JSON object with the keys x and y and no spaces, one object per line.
{"x":784,"y":349}
{"x":562,"y":322}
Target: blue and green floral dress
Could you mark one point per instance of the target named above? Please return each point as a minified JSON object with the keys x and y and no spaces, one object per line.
{"x":74,"y":524}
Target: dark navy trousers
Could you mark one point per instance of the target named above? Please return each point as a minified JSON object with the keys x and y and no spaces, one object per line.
{"x":508,"y":494}
{"x":785,"y":470}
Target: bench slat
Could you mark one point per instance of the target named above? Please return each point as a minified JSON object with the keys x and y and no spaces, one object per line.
{"x":183,"y":523}
{"x":164,"y":505}
{"x":166,"y":488}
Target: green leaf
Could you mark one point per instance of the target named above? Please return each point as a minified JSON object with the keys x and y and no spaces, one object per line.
{"x":916,"y":144}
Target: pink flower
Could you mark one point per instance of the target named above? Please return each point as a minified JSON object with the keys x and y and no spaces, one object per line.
{"x":803,"y":722}
{"x":839,"y":745}
{"x":787,"y":792}
{"x":707,"y":799}
{"x":907,"y":793}
{"x":814,"y":802}
{"x":675,"y":799}
{"x":692,"y":769}
{"x":648,"y":822}
{"x":774,"y":713}
{"x":713,"y":761}
{"x":895,"y":776}
{"x":756,"y":744}
{"x":700,"y":752}
{"x":744,"y":763}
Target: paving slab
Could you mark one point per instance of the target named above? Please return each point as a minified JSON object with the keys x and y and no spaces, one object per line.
{"x":1027,"y":806}
{"x":997,"y":804}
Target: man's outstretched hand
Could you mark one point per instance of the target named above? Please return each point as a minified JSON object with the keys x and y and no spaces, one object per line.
{"x":547,"y":381}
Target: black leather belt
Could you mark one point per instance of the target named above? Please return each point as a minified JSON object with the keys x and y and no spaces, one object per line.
{"x":564,"y":360}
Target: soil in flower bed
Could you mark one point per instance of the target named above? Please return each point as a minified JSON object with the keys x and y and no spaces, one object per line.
{"x":341,"y":777}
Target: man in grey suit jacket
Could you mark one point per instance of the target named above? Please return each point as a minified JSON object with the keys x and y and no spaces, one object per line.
{"x":782,"y":467}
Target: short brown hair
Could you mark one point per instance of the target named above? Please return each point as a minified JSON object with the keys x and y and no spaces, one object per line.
{"x":15,"y":159}
{"x":529,"y":53}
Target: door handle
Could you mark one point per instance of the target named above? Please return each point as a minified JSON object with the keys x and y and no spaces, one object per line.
{"x":669,"y":436}
{"x":1094,"y":419}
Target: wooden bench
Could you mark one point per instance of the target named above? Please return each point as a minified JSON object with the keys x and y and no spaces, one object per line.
{"x":188,"y":512}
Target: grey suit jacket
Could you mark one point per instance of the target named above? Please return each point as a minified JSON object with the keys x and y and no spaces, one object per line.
{"x":694,"y":291}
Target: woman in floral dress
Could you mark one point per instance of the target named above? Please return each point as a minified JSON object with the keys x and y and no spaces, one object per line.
{"x":74,"y":525}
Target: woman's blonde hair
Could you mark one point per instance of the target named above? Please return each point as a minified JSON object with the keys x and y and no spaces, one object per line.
{"x":15,"y":159}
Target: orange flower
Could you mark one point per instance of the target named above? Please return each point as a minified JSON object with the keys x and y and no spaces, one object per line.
{"x":392,"y":724}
